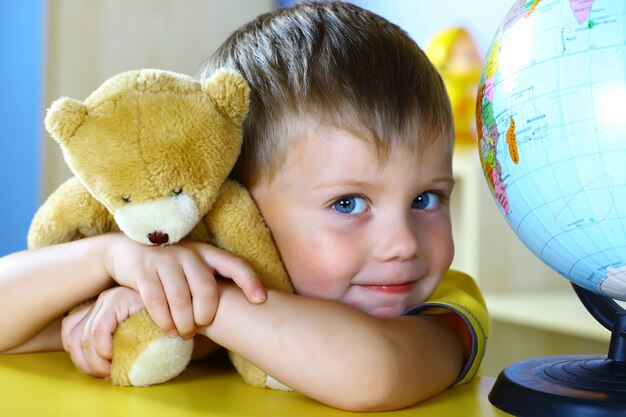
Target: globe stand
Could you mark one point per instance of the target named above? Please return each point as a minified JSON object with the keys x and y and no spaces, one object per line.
{"x":573,"y":385}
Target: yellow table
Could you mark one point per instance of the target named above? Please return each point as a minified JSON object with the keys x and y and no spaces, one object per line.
{"x":47,"y":384}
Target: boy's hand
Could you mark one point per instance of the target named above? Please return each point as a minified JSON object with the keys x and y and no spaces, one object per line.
{"x":177,"y":283}
{"x":87,"y":334}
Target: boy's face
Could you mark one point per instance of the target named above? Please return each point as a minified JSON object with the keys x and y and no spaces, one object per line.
{"x":349,"y":228}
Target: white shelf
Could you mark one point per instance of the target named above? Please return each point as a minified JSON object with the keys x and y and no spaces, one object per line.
{"x":558,"y":312}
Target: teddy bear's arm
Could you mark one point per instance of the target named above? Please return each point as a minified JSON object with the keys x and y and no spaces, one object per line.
{"x":237,"y":226}
{"x":70,"y":213}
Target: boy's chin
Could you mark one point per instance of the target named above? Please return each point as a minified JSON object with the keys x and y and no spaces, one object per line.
{"x":385,"y":312}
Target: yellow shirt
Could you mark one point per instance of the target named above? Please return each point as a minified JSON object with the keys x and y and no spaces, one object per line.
{"x":458,"y":293}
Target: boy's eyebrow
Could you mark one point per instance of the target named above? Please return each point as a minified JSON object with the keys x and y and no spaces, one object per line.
{"x":346,"y":182}
{"x":447,"y":180}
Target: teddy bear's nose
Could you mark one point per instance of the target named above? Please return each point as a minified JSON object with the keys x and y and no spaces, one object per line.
{"x":158,"y":238}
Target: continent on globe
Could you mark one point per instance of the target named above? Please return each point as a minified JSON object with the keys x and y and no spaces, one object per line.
{"x":486,"y":126}
{"x":614,"y":282}
{"x":531,"y":5}
{"x":581,"y":9}
{"x":511,"y":140}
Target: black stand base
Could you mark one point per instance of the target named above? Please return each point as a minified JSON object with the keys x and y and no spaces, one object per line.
{"x":572,"y":386}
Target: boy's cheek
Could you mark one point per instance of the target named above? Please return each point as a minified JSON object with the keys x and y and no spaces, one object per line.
{"x":315,"y":276}
{"x":440,"y":240}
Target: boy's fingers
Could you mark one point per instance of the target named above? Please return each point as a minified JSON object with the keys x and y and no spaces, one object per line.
{"x":119,"y":304}
{"x":79,"y":347}
{"x":102,"y":329}
{"x":251,"y":287}
{"x":98,"y":366}
{"x":154,"y":299}
{"x":204,"y":291}
{"x":69,"y":324}
{"x":79,"y":359}
{"x":230,"y":266}
{"x":176,"y":290}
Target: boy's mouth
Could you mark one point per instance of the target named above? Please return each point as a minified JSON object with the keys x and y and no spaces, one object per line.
{"x":390,"y":288}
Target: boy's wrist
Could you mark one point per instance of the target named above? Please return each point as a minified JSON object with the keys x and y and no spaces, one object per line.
{"x":228,"y":296}
{"x":107,"y":252}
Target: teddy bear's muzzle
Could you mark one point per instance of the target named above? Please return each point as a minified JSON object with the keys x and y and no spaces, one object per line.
{"x":158,"y":222}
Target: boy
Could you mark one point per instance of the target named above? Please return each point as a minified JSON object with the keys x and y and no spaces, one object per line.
{"x":347,"y":152}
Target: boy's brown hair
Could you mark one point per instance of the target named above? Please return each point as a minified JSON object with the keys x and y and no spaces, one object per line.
{"x":339,"y":66}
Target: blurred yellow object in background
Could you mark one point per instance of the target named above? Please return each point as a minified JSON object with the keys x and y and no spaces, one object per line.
{"x":455,"y":55}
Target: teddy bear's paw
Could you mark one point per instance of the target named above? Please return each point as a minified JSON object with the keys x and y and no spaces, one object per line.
{"x":163,"y":359}
{"x":272,"y":383}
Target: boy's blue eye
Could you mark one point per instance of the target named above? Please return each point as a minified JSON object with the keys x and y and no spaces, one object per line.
{"x":426,"y":201}
{"x":350,"y":205}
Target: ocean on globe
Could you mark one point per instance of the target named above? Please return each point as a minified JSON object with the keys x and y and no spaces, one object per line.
{"x":551,"y":121}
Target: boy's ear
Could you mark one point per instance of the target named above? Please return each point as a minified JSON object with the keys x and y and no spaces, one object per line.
{"x":64,"y":116}
{"x":230,"y":92}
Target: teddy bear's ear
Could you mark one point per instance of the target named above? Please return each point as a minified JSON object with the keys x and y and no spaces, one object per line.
{"x":230,"y":92}
{"x":64,"y":116}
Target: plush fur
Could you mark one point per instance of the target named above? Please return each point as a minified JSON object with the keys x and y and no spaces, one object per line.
{"x":151,"y":152}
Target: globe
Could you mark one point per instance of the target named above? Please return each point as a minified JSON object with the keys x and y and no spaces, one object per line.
{"x":551,"y":121}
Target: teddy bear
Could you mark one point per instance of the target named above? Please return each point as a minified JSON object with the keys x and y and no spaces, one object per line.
{"x":151,"y":152}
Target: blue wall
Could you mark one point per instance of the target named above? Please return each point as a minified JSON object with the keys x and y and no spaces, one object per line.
{"x":22,"y":45}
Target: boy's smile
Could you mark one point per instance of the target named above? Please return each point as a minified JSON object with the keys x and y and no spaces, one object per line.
{"x":390,"y":288}
{"x":350,"y":228}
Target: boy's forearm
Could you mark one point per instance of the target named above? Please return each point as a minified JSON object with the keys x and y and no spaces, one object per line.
{"x":40,"y":285}
{"x":336,"y":354}
{"x":47,"y":340}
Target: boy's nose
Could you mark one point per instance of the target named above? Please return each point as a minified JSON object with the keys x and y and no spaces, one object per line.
{"x":398,"y":241}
